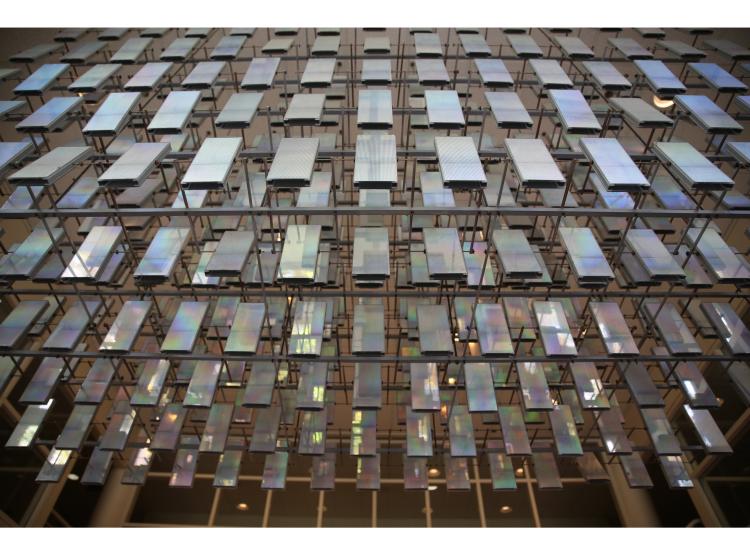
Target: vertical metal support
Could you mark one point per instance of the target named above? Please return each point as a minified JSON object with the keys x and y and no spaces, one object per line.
{"x":44,"y":500}
{"x":634,"y":505}
{"x":214,"y":507}
{"x":267,"y":508}
{"x":427,"y":509}
{"x":321,"y":508}
{"x":532,"y":498}
{"x":480,"y":498}
{"x":116,"y":501}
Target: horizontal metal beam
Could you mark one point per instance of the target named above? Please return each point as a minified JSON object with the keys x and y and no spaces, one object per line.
{"x":11,"y":213}
{"x":351,"y":359}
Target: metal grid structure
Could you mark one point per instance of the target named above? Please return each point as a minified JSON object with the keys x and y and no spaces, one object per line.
{"x":455,"y":247}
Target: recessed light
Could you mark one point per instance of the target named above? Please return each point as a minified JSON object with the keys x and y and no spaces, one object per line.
{"x":73,"y":476}
{"x":662,"y":103}
{"x":433,"y":472}
{"x":451,"y":381}
{"x":242,"y":506}
{"x":506,"y":509}
{"x":519,"y":472}
{"x":432,"y":487}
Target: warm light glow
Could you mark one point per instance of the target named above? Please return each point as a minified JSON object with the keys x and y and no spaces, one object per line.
{"x":451,"y":381}
{"x":73,"y":476}
{"x":519,"y":472}
{"x":242,"y":506}
{"x":662,"y":103}
{"x":506,"y":509}
{"x":432,"y":487}
{"x":433,"y":472}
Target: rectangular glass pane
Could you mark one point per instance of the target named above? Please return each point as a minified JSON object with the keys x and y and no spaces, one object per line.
{"x":366,"y":392}
{"x":138,"y":468}
{"x":445,"y":259}
{"x":185,"y":464}
{"x":585,"y":255}
{"x":323,"y":476}
{"x":424,"y":387}
{"x":94,"y":387}
{"x":168,"y":433}
{"x":318,"y":72}
{"x":675,"y":472}
{"x":515,"y":438}
{"x":564,"y":431}
{"x":728,"y":325}
{"x":375,"y":106}
{"x":42,"y":385}
{"x":120,"y":424}
{"x":364,"y":431}
{"x":260,"y":73}
{"x":246,"y":330}
{"x":307,"y":328}
{"x":185,"y":327}
{"x":460,"y":166}
{"x":311,"y":388}
{"x":613,"y":329}
{"x":493,"y":73}
{"x":98,"y":467}
{"x":151,"y":379}
{"x":457,"y":473}
{"x":54,"y":465}
{"x":174,"y":113}
{"x":711,"y":435}
{"x":203,"y":383}
{"x":72,"y":326}
{"x":672,"y":329}
{"x":658,"y":262}
{"x":576,"y":116}
{"x":501,"y":471}
{"x":613,"y":165}
{"x":368,"y":473}
{"x":612,"y":433}
{"x":418,"y":433}
{"x":260,"y":384}
{"x":589,"y":386}
{"x":368,"y":333}
{"x":534,"y":388}
{"x":415,"y":473}
{"x":19,"y":321}
{"x":124,"y":331}
{"x":480,"y":390}
{"x":266,"y":429}
{"x":553,"y":327}
{"x":660,"y":432}
{"x":635,"y":471}
{"x":371,"y":260}
{"x":217,"y":427}
{"x":28,"y":425}
{"x":435,"y":335}
{"x":432,"y":72}
{"x":76,"y":427}
{"x":228,"y":469}
{"x":533,"y":163}
{"x":461,"y":432}
{"x":312,"y":437}
{"x":492,"y":329}
{"x":299,"y":255}
{"x":545,"y":469}
{"x":305,"y":109}
{"x":162,"y":254}
{"x":375,"y":161}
